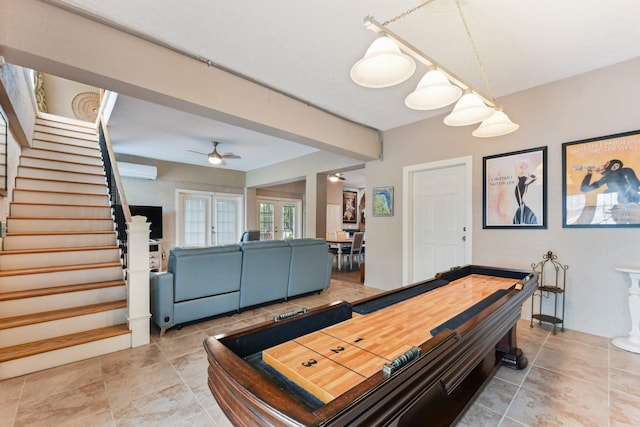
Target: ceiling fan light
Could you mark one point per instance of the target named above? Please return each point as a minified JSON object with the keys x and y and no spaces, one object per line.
{"x":497,"y":124}
{"x":214,"y":158}
{"x":433,"y":91}
{"x":334,"y":178}
{"x":469,"y":109}
{"x":383,"y":65}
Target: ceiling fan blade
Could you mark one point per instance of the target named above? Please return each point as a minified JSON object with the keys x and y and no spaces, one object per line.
{"x":230,"y":156}
{"x":197,"y":152}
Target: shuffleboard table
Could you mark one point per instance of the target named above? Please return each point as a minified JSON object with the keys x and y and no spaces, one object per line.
{"x":416,"y":355}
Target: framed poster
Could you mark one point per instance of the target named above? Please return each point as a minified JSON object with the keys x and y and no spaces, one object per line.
{"x":514,"y":190}
{"x":349,"y":210}
{"x":600,"y":186}
{"x":382,"y":201}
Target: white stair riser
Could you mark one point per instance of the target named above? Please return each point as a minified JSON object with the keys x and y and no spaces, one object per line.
{"x":39,"y":362}
{"x":63,"y":157}
{"x":43,"y":241}
{"x":59,"y":278}
{"x":54,"y":123}
{"x":24,"y":225}
{"x":48,"y":211}
{"x":56,"y":175}
{"x":61,"y":166}
{"x":59,"y":198}
{"x":66,"y":137}
{"x":59,"y":301}
{"x":71,"y":187}
{"x":56,"y":328}
{"x":65,"y":148}
{"x":57,"y":259}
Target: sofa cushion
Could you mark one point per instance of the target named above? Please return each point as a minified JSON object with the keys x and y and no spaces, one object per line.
{"x":308,"y":270}
{"x":201,"y":272}
{"x":265,"y":271}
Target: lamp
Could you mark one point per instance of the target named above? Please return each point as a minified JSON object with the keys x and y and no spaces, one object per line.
{"x":497,"y":124}
{"x":469,"y":109}
{"x":214,"y":158}
{"x":385,"y":64}
{"x":433,"y":91}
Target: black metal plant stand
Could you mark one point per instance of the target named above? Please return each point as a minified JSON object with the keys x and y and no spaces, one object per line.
{"x":550,"y":285}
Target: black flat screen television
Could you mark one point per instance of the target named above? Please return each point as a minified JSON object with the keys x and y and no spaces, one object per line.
{"x":154,"y":216}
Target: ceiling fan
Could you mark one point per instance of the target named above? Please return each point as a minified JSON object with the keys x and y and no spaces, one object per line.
{"x":216,"y":158}
{"x":335,"y":177}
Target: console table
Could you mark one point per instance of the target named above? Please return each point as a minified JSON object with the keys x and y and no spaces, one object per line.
{"x":632,"y":341}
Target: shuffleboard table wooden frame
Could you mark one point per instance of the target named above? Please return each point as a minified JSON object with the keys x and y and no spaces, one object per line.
{"x":432,"y":389}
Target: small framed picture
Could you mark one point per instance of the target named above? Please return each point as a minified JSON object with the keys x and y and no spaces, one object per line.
{"x":515,"y":190}
{"x":600,"y":186}
{"x":382,"y":201}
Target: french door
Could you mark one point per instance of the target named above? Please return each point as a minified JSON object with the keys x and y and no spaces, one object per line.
{"x":205,"y":219}
{"x":279,"y":219}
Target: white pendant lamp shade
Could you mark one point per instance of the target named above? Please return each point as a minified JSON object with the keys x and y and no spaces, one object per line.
{"x":469,"y":109}
{"x":434,"y":91}
{"x":383,"y":65}
{"x":497,"y":124}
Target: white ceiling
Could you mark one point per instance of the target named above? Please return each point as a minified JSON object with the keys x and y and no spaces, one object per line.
{"x":306,"y":49}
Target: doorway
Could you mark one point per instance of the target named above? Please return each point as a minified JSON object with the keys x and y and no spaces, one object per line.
{"x":436,"y":218}
{"x":279,"y":219}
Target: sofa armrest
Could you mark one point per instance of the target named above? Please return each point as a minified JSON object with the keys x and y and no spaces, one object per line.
{"x":161,"y":294}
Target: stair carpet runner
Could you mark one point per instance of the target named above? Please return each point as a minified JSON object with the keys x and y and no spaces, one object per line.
{"x":62,"y":293}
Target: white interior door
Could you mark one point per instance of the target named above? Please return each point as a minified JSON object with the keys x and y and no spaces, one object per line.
{"x":439,"y":220}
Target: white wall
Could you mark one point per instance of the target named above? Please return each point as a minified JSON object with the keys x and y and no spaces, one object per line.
{"x":598,"y":103}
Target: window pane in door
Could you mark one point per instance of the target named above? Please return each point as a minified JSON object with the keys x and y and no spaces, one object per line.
{"x":225,"y":222}
{"x":195,"y":221}
{"x":267,"y":221}
{"x":288,"y":222}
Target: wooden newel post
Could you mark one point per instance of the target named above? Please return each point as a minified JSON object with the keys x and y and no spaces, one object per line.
{"x":138,"y":313}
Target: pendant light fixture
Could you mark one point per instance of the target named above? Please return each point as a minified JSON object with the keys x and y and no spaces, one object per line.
{"x":469,"y":109}
{"x":390,"y":61}
{"x":433,"y":91}
{"x":497,"y":124}
{"x":383,"y":65}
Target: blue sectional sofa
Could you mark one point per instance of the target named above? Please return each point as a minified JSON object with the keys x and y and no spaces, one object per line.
{"x":204,"y":282}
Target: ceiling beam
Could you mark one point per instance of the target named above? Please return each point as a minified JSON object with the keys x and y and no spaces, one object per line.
{"x":38,"y":35}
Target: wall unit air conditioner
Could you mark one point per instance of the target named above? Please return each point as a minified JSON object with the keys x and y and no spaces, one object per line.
{"x":132,"y":170}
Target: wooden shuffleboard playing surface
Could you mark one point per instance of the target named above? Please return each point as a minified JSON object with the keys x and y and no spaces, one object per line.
{"x":330,"y":361}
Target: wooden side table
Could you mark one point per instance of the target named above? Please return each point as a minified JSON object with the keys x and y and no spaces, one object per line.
{"x":632,"y":341}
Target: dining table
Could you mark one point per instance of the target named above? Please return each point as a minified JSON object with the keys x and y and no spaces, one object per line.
{"x":340,"y":243}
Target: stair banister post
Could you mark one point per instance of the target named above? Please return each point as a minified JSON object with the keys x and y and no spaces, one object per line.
{"x":138,"y":313}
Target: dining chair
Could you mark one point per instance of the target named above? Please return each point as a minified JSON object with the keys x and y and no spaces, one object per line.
{"x":356,"y":249}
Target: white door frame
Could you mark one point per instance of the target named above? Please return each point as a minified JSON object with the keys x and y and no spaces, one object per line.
{"x":407,"y":208}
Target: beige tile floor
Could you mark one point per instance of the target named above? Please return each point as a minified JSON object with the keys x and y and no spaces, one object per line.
{"x":573,"y":379}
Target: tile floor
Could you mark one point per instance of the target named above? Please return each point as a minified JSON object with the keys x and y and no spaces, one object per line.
{"x":573,"y":379}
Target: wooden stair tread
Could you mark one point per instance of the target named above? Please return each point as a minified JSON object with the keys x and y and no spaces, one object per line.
{"x":60,"y":205}
{"x":50,"y":344}
{"x":65,"y":313}
{"x":37,"y":270}
{"x":101,"y":184}
{"x":55,"y":290}
{"x":31,"y":156}
{"x":58,"y":170}
{"x":60,"y":192}
{"x":46,"y":250}
{"x":49,"y":218}
{"x":54,"y":233}
{"x":43,"y":150}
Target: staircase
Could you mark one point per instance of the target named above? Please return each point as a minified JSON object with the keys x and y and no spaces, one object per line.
{"x":62,"y":293}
